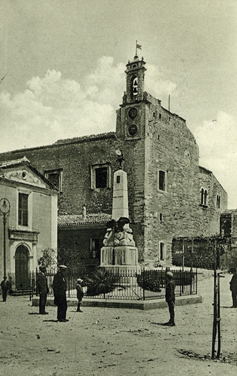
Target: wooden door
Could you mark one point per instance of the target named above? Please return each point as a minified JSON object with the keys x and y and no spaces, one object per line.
{"x":22,"y":267}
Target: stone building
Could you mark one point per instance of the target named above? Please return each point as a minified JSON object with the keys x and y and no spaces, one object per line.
{"x":169,"y":194}
{"x":30,"y":203}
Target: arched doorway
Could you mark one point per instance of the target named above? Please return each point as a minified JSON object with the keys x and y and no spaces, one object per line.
{"x":22,"y":267}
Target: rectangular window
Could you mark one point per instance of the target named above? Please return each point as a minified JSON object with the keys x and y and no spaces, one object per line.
{"x":162,"y":248}
{"x":55,"y":177}
{"x":162,"y":185}
{"x":23,"y":209}
{"x":218,"y":201}
{"x":95,"y":247}
{"x":100,"y":176}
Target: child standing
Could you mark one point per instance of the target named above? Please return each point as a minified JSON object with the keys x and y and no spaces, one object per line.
{"x":80,"y":294}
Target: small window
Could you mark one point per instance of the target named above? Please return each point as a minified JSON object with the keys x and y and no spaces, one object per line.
{"x":101,"y":176}
{"x":55,"y":177}
{"x":23,"y":209}
{"x":162,"y":178}
{"x":204,"y":197}
{"x":134,"y":83}
{"x":161,"y":217}
{"x":159,"y":116}
{"x":95,"y":248}
{"x":218,"y":201}
{"x":162,"y":251}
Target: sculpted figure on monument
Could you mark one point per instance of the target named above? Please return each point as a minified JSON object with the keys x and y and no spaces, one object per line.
{"x":117,"y":234}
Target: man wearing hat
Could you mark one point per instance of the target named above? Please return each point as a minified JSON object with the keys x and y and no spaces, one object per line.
{"x":42,"y":289}
{"x":59,"y":288}
{"x":5,"y":286}
{"x":80,"y":294}
{"x":170,"y":297}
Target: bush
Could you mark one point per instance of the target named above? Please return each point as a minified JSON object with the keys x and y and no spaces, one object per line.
{"x":154,"y":280}
{"x":100,"y":282}
{"x":149,"y":280}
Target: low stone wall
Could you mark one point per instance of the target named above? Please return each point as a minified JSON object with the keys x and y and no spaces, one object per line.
{"x":134,"y":304}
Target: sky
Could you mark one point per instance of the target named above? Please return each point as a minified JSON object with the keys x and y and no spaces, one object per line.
{"x":62,"y":66}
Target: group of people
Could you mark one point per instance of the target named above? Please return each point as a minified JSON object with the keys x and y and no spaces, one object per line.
{"x":59,"y":288}
{"x":60,"y":300}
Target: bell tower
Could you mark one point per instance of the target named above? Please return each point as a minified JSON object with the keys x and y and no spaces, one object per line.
{"x":130,"y":116}
{"x":135,"y":79}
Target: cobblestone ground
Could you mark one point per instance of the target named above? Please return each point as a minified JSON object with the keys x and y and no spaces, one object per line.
{"x":109,"y":342}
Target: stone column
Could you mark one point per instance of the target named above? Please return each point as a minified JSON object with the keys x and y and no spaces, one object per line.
{"x":119,"y":251}
{"x":120,"y":195}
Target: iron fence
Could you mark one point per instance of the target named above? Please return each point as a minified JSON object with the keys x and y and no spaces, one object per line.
{"x":127,"y":284}
{"x":117,"y":284}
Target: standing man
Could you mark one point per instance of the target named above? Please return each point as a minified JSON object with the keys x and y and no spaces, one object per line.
{"x":59,"y":287}
{"x":233,"y":288}
{"x":170,"y":297}
{"x":42,"y":289}
{"x":5,"y":287}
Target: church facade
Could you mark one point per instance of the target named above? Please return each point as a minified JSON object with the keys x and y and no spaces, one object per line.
{"x":28,"y":205}
{"x":169,"y":194}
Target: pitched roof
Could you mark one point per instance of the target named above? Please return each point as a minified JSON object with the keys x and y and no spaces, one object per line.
{"x":4,"y":165}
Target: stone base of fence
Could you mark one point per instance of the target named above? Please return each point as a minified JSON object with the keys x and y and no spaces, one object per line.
{"x":134,"y":304}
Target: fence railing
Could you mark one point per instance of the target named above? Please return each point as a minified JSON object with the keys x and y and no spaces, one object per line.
{"x":117,"y":284}
{"x":128,"y":284}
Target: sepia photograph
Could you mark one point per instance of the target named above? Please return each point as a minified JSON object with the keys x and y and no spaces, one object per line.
{"x":118,"y":187}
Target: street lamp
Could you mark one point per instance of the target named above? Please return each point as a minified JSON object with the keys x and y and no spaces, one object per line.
{"x":4,"y":211}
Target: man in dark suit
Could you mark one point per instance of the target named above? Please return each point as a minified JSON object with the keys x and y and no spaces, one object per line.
{"x":170,"y":297}
{"x":42,"y":289}
{"x":59,"y":287}
{"x":5,"y":286}
{"x":233,"y":288}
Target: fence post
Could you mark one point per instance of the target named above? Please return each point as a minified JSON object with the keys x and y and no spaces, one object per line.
{"x":36,"y":277}
{"x":196,"y":281}
{"x":30,"y":284}
{"x":191,"y":281}
{"x":143,"y":290}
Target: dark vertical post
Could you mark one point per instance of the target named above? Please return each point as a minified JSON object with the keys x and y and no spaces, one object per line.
{"x":218,"y":317}
{"x":4,"y":211}
{"x":4,"y":244}
{"x":191,"y":269}
{"x":143,"y":283}
{"x":183,"y":256}
{"x":214,"y":307}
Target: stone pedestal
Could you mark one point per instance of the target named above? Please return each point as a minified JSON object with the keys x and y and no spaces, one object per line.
{"x":124,"y":257}
{"x":119,"y":252}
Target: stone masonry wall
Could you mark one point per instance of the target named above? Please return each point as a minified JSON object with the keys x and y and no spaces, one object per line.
{"x":171,"y":148}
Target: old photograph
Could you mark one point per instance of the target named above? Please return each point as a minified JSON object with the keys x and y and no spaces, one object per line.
{"x":118,"y":187}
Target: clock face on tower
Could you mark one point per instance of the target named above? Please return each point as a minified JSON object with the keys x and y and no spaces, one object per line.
{"x":132,"y":130}
{"x":132,"y":113}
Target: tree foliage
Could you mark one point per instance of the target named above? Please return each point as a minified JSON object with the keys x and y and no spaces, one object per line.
{"x":48,"y":258}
